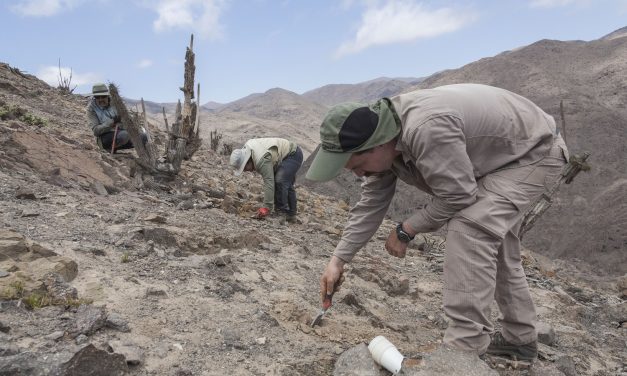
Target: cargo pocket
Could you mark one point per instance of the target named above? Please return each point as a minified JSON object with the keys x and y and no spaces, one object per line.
{"x":499,"y":205}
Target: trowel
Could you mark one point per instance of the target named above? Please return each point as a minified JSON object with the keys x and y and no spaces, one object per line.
{"x":326,"y":304}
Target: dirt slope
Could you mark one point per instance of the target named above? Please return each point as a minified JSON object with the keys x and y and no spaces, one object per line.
{"x":205,"y":290}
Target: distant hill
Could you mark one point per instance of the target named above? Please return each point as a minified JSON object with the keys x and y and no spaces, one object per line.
{"x":275,"y":113}
{"x":364,"y":92}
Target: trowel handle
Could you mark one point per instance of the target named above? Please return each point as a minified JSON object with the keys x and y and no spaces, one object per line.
{"x":327,"y":302}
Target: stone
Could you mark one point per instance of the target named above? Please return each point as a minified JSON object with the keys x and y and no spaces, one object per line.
{"x":566,"y":364}
{"x":133,"y":354}
{"x":544,"y":369}
{"x":356,"y":361}
{"x":99,"y":188}
{"x":156,"y":292}
{"x":155,"y":218}
{"x":81,"y":339}
{"x":231,"y":339}
{"x":55,"y":336}
{"x":88,"y":320}
{"x":95,"y":362}
{"x":117,"y":322}
{"x":261,"y":340}
{"x":546,"y":333}
{"x":25,"y":194}
{"x":451,"y":362}
{"x":3,"y":273}
{"x":4,"y":328}
{"x":58,"y":289}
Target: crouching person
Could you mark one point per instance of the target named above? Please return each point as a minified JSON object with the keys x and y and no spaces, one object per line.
{"x":104,"y":121}
{"x":277,"y":161}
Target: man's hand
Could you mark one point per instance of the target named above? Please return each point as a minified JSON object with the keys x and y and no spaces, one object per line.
{"x":394,"y":246}
{"x":117,"y":119}
{"x":262,"y":213}
{"x":332,"y":277}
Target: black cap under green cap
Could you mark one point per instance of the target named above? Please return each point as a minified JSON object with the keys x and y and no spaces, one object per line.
{"x":350,"y":128}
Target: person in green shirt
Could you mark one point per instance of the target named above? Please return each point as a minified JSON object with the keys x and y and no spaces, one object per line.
{"x":277,"y":160}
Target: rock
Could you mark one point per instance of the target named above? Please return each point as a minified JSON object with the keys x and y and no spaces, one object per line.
{"x":231,"y":339}
{"x":25,"y":194}
{"x":3,"y":273}
{"x":58,"y":289}
{"x":117,"y":322}
{"x":4,"y":328}
{"x":544,"y":369}
{"x":25,"y":363}
{"x":155,"y":218}
{"x":156,"y":291}
{"x":546,"y":333}
{"x":566,"y":364}
{"x":133,"y":354}
{"x":94,"y":362}
{"x":451,"y":362}
{"x":81,"y":339}
{"x":270,"y":247}
{"x":32,"y":261}
{"x":55,"y":336}
{"x":185,"y":205}
{"x":220,"y":261}
{"x":261,"y":340}
{"x":8,"y":349}
{"x":29,"y":214}
{"x":356,"y":361}
{"x":99,"y":188}
{"x":88,"y":320}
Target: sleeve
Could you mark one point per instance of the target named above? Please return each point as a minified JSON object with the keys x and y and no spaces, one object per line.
{"x":95,"y":125}
{"x":439,"y":149}
{"x":265,"y":168}
{"x":366,"y":216}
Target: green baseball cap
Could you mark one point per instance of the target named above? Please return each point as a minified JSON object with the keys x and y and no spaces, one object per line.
{"x":350,"y":128}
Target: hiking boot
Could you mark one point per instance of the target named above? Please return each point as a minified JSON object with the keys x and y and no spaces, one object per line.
{"x":499,"y":346}
{"x":291,"y":218}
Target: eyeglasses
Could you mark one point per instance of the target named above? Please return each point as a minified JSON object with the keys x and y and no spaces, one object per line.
{"x":101,"y":97}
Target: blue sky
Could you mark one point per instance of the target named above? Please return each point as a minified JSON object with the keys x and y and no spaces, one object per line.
{"x":250,"y":46}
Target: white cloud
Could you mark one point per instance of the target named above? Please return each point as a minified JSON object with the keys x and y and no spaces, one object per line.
{"x":403,"y":21}
{"x":563,"y":3}
{"x":145,"y":63}
{"x":50,"y":75}
{"x":550,"y":3}
{"x":43,"y":8}
{"x":200,"y":16}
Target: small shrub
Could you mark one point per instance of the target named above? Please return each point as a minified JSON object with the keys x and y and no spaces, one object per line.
{"x":34,"y":120}
{"x":125,"y":258}
{"x":215,"y":138}
{"x":14,"y":291}
{"x":227,"y":148}
{"x":37,"y":300}
{"x":13,"y":112}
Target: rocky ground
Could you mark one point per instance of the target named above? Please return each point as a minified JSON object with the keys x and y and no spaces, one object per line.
{"x":98,"y":277}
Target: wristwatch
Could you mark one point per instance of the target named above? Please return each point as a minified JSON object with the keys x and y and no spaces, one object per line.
{"x":402,"y":235}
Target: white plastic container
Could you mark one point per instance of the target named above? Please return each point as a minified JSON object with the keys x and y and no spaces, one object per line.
{"x":386,"y":354}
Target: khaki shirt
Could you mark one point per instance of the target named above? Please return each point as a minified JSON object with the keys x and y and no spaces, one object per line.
{"x":267,"y":154}
{"x":450,"y":137}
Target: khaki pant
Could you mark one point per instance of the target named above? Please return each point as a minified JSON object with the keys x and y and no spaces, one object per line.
{"x":482,"y":260}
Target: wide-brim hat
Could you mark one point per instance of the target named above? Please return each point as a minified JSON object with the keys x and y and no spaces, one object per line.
{"x":349,"y":128}
{"x":239,"y":158}
{"x":100,"y":90}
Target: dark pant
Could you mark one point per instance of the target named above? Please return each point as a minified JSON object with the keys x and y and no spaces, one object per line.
{"x":284,"y":177}
{"x":122,"y":140}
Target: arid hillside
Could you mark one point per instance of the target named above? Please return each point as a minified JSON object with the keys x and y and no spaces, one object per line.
{"x":101,"y":277}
